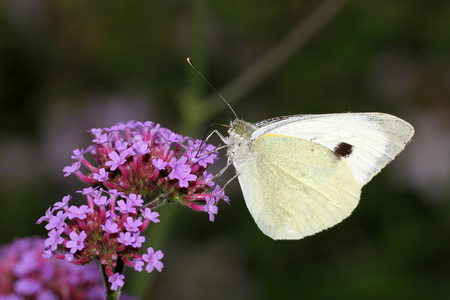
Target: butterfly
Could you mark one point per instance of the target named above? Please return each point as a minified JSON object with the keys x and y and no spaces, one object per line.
{"x":302,"y":174}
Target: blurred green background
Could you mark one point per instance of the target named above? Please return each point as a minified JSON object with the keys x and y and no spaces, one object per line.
{"x":68,"y":66}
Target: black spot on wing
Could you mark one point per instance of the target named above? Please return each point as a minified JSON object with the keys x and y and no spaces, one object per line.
{"x":343,"y":149}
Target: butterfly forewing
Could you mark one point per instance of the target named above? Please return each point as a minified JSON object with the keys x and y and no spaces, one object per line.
{"x":375,"y":138}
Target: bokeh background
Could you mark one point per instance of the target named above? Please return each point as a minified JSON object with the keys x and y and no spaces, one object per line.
{"x":68,"y":66}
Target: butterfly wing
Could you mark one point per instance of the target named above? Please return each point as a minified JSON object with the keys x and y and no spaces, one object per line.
{"x":294,"y":187}
{"x":368,"y":141}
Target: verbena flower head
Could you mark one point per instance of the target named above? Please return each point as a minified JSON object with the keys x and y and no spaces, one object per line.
{"x":133,"y":168}
{"x":25,"y":274}
{"x":149,"y":160}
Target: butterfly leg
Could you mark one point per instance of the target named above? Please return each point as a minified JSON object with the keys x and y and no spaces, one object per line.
{"x":229,"y":180}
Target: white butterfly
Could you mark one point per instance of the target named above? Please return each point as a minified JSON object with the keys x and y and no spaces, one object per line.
{"x":304,"y":173}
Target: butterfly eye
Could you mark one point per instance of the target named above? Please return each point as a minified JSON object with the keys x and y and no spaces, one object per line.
{"x":240,"y":129}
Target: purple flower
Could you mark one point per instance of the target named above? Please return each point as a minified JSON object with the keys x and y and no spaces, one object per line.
{"x":95,"y":131}
{"x":205,"y":160}
{"x":138,"y":240}
{"x":47,"y":253}
{"x":117,"y":127}
{"x":56,"y":221}
{"x":153,"y":260}
{"x":125,"y":207}
{"x":141,"y":148}
{"x":181,"y":171}
{"x":77,"y":154}
{"x":148,"y":124}
{"x":77,"y":241}
{"x":101,"y":138}
{"x":62,"y":204}
{"x":110,"y":227}
{"x":138,"y":264}
{"x":121,"y":146}
{"x":116,"y":160}
{"x":69,"y":257}
{"x":211,"y":207}
{"x":115,"y":193}
{"x":102,"y":175}
{"x":159,"y":164}
{"x":131,"y":124}
{"x":208,"y":179}
{"x":126,"y":238}
{"x":132,"y":225}
{"x":54,"y":239}
{"x":137,"y":138}
{"x":136,"y":200}
{"x":102,"y":201}
{"x":48,"y":215}
{"x":90,"y":191}
{"x":204,"y":156}
{"x":149,"y":215}
{"x":220,"y":194}
{"x":72,"y":169}
{"x":78,"y":212}
{"x":116,"y":280}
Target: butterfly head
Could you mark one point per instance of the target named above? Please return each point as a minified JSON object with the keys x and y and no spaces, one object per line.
{"x":241,"y":128}
{"x":239,"y":141}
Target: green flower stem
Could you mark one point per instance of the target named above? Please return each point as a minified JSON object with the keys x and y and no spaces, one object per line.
{"x":111,"y":294}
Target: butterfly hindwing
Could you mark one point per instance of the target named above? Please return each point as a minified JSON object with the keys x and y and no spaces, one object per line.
{"x":294,"y":187}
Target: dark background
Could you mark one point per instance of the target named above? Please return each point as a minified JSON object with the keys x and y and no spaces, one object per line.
{"x":68,"y":66}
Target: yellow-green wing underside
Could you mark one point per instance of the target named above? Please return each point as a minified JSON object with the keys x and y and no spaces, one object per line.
{"x":294,"y":187}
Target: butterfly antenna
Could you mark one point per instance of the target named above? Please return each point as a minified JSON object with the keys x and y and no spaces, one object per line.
{"x":204,"y":78}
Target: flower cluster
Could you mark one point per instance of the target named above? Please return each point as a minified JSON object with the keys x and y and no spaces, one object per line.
{"x":138,"y":167}
{"x":107,"y":229}
{"x":25,"y":274}
{"x":149,"y":160}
